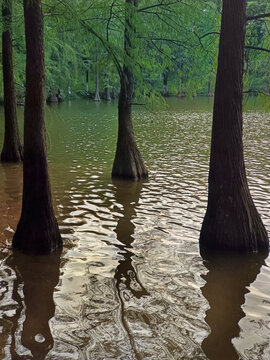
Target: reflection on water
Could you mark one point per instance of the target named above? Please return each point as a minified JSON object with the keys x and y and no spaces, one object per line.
{"x":227,"y":283}
{"x":27,"y":305}
{"x":132,"y":283}
{"x":127,"y":194}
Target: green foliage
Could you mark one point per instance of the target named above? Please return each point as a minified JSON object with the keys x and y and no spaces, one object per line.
{"x":176,"y":38}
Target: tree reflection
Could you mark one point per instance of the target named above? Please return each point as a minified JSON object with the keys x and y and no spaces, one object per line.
{"x":37,"y":276}
{"x":127,"y":194}
{"x":227,"y":280}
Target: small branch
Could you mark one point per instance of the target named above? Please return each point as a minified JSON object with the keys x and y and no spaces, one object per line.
{"x":174,"y":41}
{"x":257,"y":48}
{"x":209,"y":33}
{"x":260,"y":16}
{"x":250,"y":91}
{"x":109,"y":20}
{"x":158,"y":5}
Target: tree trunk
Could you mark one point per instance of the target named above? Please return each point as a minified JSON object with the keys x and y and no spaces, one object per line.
{"x":209,"y":89}
{"x":231,"y":221}
{"x":108,"y":94}
{"x":128,"y":162}
{"x":97,"y":96}
{"x":37,"y":231}
{"x":87,"y":82}
{"x":107,"y":89}
{"x":165,"y":84}
{"x":12,"y":149}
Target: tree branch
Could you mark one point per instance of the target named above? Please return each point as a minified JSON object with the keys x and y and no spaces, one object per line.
{"x":158,"y":5}
{"x":209,"y":33}
{"x":260,"y":16}
{"x":109,"y":20}
{"x":256,"y":92}
{"x":257,"y":48}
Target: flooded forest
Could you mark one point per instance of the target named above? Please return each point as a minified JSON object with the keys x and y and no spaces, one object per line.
{"x":134,"y":180}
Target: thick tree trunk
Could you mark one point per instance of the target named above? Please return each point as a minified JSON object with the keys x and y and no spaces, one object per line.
{"x":97,"y":96}
{"x":231,"y":220}
{"x":12,"y":149}
{"x":37,"y":231}
{"x":128,"y":162}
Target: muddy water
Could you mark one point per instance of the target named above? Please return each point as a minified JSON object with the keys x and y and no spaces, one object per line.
{"x":130,"y":282}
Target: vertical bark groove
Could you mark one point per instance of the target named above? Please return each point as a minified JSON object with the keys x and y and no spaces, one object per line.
{"x":232,"y":220}
{"x":37,"y":231}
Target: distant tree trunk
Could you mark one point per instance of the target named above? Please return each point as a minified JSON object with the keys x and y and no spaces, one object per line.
{"x":12,"y":149}
{"x":128,"y":162}
{"x":37,"y":231}
{"x":108,"y":94}
{"x":97,"y":96}
{"x":87,"y":82}
{"x":165,"y":84}
{"x":231,"y":221}
{"x":209,"y":89}
{"x":107,"y":89}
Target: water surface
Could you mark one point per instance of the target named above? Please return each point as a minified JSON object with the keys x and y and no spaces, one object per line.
{"x":130,"y":282}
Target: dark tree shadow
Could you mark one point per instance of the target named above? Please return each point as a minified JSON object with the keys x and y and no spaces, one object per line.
{"x":227,"y":280}
{"x":38,"y":275}
{"x":127,"y":193}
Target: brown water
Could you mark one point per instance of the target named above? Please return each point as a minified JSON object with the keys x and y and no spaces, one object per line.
{"x":130,"y":282}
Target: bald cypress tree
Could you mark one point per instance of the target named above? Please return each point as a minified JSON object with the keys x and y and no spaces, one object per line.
{"x":128,"y":162}
{"x":12,"y":149}
{"x":37,"y":231}
{"x":232,"y":221}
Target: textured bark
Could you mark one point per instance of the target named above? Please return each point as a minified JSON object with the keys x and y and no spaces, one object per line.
{"x":128,"y":162}
{"x":12,"y":149}
{"x":37,"y":231}
{"x":97,"y":96}
{"x":231,"y":220}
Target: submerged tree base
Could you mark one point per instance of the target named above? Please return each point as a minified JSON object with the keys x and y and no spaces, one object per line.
{"x":128,"y":163}
{"x":238,"y":230}
{"x":12,"y":155}
{"x":31,"y":238}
